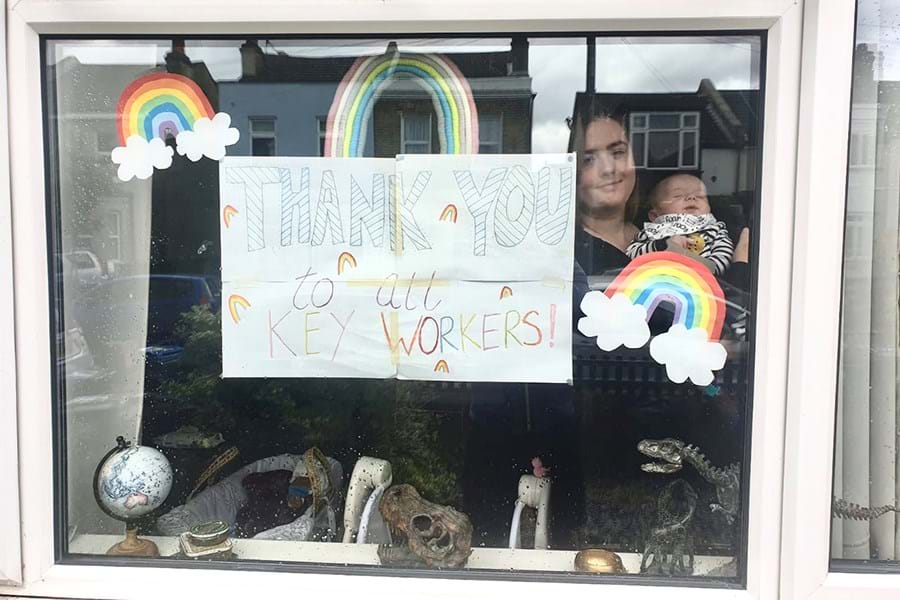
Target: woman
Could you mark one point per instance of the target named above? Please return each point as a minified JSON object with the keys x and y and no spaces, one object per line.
{"x":607,"y":198}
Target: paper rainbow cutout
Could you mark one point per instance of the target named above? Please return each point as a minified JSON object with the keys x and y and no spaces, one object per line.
{"x":505,"y":292}
{"x":360,"y":88}
{"x":345,"y":260}
{"x":234,"y":301}
{"x":160,"y":104}
{"x":658,"y":277}
{"x":449,"y":213}
{"x":228,"y":212}
{"x":441,"y":366}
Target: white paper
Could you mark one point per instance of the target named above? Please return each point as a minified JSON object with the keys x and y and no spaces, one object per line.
{"x":437,"y":267}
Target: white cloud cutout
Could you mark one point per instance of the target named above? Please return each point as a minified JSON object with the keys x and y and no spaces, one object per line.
{"x":614,"y":321}
{"x":688,"y":354}
{"x":138,"y":157}
{"x":208,"y":138}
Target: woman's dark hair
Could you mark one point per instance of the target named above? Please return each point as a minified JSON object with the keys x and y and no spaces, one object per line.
{"x":590,"y":108}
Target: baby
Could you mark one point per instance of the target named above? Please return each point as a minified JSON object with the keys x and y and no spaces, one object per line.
{"x":682,"y":222}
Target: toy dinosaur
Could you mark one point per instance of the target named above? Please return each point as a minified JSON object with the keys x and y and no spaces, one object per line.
{"x":674,"y":453}
{"x":842,"y":509}
{"x":671,"y":540}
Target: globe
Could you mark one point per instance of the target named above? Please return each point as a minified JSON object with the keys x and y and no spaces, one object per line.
{"x":132,"y":481}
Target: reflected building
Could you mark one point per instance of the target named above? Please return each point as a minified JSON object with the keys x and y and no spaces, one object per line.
{"x":710,"y":133}
{"x":281,"y":103}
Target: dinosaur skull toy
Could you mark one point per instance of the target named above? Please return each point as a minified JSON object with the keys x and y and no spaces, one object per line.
{"x":668,"y":450}
{"x":422,"y":532}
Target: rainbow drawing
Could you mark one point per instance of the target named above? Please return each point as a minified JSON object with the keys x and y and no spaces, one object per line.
{"x":354,"y":101}
{"x":691,"y":288}
{"x":344,"y":261}
{"x":441,"y":366}
{"x":505,"y":292}
{"x":234,"y":301}
{"x":158,"y":105}
{"x":228,"y":212}
{"x":449,"y":213}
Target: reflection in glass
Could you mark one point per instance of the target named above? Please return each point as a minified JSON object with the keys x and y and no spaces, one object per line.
{"x":610,"y":463}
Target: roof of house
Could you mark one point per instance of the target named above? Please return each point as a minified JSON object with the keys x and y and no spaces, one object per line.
{"x":728,"y":118}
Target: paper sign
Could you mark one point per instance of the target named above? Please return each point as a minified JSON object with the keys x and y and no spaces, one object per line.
{"x":452,"y":268}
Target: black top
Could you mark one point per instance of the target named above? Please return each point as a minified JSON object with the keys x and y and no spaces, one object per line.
{"x":596,"y":256}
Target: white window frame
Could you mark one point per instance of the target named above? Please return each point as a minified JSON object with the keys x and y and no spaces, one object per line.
{"x":646,"y":130}
{"x":10,"y":539}
{"x":787,"y":179}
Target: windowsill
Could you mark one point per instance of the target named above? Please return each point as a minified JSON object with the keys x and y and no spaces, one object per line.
{"x":366,"y":554}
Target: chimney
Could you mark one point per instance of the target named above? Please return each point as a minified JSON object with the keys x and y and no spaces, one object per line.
{"x":519,"y":52}
{"x":251,"y":60}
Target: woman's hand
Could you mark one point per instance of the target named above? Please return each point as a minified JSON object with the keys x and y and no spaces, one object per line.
{"x":679,"y":241}
{"x":742,"y":250}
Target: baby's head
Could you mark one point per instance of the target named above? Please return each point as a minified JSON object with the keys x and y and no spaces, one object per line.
{"x":678,"y":194}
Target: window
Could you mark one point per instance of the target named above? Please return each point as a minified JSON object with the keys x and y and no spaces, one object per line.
{"x":666,"y":140}
{"x":106,"y":141}
{"x":315,"y":345}
{"x":416,"y":133}
{"x":865,"y":489}
{"x":862,"y":149}
{"x":490,"y":133}
{"x":262,"y":136}
{"x":113,"y":236}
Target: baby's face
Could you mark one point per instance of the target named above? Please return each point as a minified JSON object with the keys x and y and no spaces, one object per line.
{"x":681,"y":194}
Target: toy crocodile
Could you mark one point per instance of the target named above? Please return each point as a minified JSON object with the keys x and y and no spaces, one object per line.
{"x":674,"y":453}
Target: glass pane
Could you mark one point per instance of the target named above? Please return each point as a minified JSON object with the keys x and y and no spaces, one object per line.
{"x":638,"y":121}
{"x":263,"y":146}
{"x":416,"y":148}
{"x":637,"y":148}
{"x":662,"y":149}
{"x":670,"y":121}
{"x":489,"y":130}
{"x":332,"y":340}
{"x":688,"y":149}
{"x":416,"y":127}
{"x":689,"y":120}
{"x":866,"y":485}
{"x":262,"y":125}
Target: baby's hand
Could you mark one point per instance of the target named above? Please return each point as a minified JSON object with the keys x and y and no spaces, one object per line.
{"x":678,"y":240}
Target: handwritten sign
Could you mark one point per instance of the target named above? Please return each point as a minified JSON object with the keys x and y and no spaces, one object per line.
{"x":453,"y":268}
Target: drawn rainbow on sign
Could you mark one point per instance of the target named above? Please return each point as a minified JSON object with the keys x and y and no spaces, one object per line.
{"x":228,"y":212}
{"x":354,"y":101}
{"x":449,"y":213}
{"x":160,"y":105}
{"x":441,"y":366}
{"x":658,"y":277}
{"x":345,"y":260}
{"x":505,"y":292}
{"x":234,"y":301}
